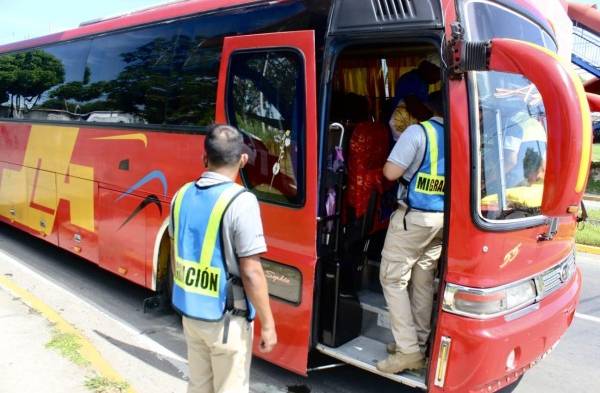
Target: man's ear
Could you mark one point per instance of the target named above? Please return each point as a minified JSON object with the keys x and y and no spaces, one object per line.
{"x":243,"y":160}
{"x":205,"y":159}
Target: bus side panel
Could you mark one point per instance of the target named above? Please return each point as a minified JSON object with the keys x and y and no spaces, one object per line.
{"x":122,"y":232}
{"x":29,"y":189}
{"x":138,"y":174}
{"x":13,"y":143}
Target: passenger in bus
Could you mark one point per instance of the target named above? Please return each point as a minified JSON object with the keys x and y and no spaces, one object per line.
{"x":411,"y":91}
{"x":413,"y":242}
{"x":522,"y":133}
{"x":219,"y":283}
{"x":534,"y":168}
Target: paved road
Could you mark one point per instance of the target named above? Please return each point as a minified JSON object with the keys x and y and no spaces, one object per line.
{"x":573,"y":366}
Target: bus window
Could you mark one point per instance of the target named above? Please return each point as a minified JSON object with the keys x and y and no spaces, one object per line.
{"x":45,"y":83}
{"x":134,"y":74}
{"x":512,"y":136}
{"x":487,"y":20}
{"x":266,"y":102}
{"x":511,"y":126}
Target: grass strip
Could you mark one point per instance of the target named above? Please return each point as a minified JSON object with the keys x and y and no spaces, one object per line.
{"x":588,"y":233}
{"x":68,"y":346}
{"x":105,"y":385}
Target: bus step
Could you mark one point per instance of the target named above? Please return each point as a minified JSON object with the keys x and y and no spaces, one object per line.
{"x":375,"y":317}
{"x":372,"y":301}
{"x":364,"y":353}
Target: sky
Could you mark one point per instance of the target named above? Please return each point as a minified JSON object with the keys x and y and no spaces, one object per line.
{"x":22,"y":19}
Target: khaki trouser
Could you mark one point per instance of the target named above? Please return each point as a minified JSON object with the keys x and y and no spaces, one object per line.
{"x":216,"y":367}
{"x":411,"y":255}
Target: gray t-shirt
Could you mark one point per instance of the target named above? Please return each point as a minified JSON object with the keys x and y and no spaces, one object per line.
{"x":242,"y":227}
{"x":408,"y":152}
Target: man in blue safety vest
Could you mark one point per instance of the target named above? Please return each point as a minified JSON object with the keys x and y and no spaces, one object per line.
{"x":414,"y":239}
{"x":219,"y":284}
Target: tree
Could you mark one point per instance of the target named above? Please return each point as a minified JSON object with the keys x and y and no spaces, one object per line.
{"x":26,"y":76}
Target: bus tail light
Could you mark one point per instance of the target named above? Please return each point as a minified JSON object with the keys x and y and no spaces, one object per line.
{"x":442,"y":361}
{"x":490,"y":302}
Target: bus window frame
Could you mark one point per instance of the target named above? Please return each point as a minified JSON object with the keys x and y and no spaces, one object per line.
{"x":482,"y":223}
{"x":301,"y":197}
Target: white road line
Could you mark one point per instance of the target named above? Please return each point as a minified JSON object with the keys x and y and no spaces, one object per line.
{"x":587,"y":317}
{"x":152,"y":345}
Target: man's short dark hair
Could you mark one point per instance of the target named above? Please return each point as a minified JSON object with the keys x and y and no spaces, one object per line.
{"x":429,"y":72}
{"x":532,"y":163}
{"x":223,"y":145}
{"x":435,"y":102}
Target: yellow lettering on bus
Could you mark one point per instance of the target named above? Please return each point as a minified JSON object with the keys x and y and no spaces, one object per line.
{"x":31,"y":194}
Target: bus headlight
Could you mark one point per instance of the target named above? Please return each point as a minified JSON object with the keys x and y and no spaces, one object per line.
{"x":490,"y":302}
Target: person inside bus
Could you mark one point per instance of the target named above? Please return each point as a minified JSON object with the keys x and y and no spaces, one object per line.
{"x":534,"y":168}
{"x":219,"y":283}
{"x":413,"y":242}
{"x":522,"y":133}
{"x":411,"y":91}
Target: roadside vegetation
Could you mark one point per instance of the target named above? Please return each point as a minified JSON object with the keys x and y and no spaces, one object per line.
{"x":588,"y":233}
{"x":105,"y":385}
{"x":593,"y":186}
{"x":69,"y":347}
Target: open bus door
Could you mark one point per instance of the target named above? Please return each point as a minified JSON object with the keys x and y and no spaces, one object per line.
{"x":267,"y":89}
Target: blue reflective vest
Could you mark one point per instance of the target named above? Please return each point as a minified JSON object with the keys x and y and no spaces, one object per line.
{"x":203,"y":287}
{"x":426,"y":188}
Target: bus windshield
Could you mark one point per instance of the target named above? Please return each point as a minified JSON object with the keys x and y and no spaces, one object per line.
{"x":511,"y":121}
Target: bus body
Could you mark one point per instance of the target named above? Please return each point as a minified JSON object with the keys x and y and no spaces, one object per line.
{"x":102,"y":124}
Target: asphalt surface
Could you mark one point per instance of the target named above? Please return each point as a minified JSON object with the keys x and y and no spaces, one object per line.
{"x":573,"y":366}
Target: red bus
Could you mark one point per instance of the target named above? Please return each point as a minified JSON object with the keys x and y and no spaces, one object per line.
{"x":100,"y":126}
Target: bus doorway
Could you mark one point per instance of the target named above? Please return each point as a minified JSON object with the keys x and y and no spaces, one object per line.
{"x":371,"y":103}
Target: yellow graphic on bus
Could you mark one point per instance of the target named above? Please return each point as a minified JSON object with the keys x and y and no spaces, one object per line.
{"x":30,"y":195}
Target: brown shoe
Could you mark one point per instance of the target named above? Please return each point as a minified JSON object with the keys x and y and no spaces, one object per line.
{"x":390,"y":348}
{"x":399,"y":362}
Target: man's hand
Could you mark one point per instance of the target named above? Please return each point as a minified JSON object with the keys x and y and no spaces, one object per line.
{"x":268,"y":339}
{"x":255,"y":285}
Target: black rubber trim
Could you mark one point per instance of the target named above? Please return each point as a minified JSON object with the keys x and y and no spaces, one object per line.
{"x":475,"y":56}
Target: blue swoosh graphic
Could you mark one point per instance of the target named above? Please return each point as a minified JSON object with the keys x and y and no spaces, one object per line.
{"x":156,"y":174}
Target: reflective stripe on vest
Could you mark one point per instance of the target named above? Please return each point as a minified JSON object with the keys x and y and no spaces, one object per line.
{"x":201,"y":274}
{"x":426,"y":188}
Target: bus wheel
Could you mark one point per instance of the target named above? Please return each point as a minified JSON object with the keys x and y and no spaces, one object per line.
{"x":161,"y":301}
{"x":510,"y":388}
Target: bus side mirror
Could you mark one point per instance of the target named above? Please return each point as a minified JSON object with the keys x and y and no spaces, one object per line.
{"x":569,"y":125}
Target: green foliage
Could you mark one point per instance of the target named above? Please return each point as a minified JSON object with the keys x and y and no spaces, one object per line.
{"x":165,"y":81}
{"x":588,"y":233}
{"x":593,"y":187}
{"x":68,"y":346}
{"x":25,"y":76}
{"x":105,"y":385}
{"x":596,"y":152}
{"x":78,"y":91}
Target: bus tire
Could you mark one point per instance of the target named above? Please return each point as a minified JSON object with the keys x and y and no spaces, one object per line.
{"x":164,"y":276}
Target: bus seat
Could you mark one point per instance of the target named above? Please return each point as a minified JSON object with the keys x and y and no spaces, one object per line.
{"x":367,"y":153}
